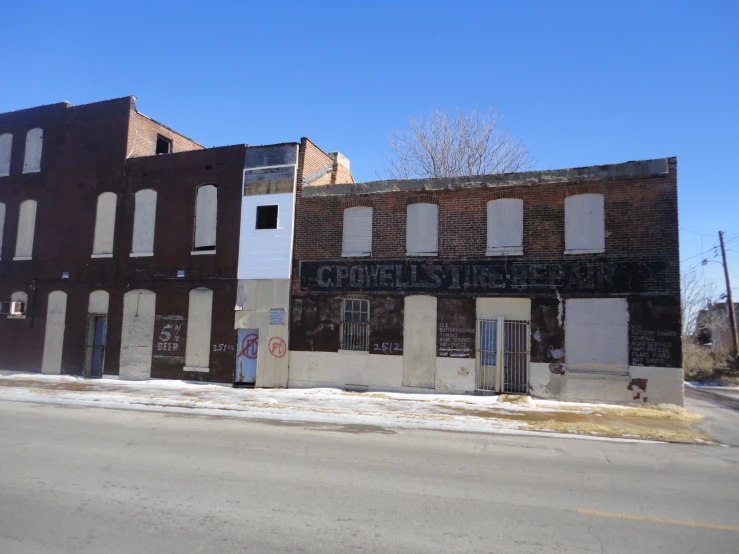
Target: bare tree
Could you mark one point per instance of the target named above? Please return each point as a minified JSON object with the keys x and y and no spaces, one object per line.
{"x":453,"y":145}
{"x":695,"y":295}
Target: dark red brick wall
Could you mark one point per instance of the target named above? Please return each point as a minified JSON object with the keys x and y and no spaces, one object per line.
{"x":84,"y":154}
{"x":641,"y":221}
{"x":142,"y":137}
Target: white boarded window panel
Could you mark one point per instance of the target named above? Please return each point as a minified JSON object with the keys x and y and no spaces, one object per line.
{"x":2,"y":227}
{"x":597,"y":334}
{"x":6,"y":147}
{"x":104,"y":224}
{"x":505,"y":226}
{"x":98,"y":302}
{"x":144,"y":220}
{"x":34,"y":146}
{"x":199,"y":312}
{"x":357,"y":233}
{"x":422,"y":225}
{"x":56,"y":315}
{"x":137,"y":334}
{"x":206,"y":217}
{"x":584,"y":223}
{"x":26,"y":229}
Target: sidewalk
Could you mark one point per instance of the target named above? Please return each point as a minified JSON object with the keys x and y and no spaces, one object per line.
{"x":479,"y":414}
{"x":726,"y":396}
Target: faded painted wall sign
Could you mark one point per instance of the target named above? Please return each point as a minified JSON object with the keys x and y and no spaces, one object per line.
{"x":456,"y":327}
{"x":483,"y":275}
{"x":170,"y":335}
{"x":651,"y":348}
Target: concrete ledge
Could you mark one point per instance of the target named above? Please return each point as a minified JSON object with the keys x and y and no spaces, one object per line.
{"x":643,"y":169}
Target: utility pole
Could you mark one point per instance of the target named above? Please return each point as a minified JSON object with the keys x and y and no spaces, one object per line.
{"x":729,"y":300}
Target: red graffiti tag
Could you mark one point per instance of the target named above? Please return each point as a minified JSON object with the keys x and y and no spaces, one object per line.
{"x":249,"y":346}
{"x":277,"y":347}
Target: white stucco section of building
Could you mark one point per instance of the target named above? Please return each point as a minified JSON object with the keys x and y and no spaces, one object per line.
{"x":258,"y":297}
{"x":266,"y":253}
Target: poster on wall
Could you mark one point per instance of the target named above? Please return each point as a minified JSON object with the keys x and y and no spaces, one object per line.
{"x":170,"y":335}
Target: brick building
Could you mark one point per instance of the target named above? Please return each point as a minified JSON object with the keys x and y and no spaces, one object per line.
{"x":563,"y":283}
{"x":122,"y":246}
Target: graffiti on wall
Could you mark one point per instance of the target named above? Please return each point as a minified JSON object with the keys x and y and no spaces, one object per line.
{"x":170,"y":335}
{"x":483,"y":275}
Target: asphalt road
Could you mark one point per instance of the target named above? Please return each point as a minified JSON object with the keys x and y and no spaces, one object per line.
{"x":98,"y":480}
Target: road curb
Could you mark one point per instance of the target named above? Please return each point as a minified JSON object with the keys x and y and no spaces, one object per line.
{"x":718,"y":397}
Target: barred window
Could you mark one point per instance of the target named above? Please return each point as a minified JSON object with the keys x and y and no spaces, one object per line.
{"x":355,"y":325}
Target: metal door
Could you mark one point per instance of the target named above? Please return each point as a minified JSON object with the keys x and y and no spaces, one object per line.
{"x":95,"y":347}
{"x":246,"y":359}
{"x":502,"y":355}
{"x":487,"y":354}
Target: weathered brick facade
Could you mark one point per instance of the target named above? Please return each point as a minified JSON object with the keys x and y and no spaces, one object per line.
{"x":640,"y":262}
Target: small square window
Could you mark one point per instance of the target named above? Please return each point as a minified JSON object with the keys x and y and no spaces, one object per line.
{"x":164,"y":145}
{"x":266,"y":217}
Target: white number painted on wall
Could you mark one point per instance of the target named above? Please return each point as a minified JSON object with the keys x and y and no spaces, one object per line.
{"x":223,"y":347}
{"x":387,"y":347}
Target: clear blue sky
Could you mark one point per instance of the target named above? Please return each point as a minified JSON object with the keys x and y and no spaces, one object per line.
{"x":580,"y":83}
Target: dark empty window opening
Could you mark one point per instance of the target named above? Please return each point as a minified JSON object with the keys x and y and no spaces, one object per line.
{"x":164,"y":145}
{"x":266,"y":217}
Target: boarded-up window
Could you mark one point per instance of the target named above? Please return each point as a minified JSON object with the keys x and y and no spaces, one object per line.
{"x":2,"y":227}
{"x":144,"y":220}
{"x":357,"y":239}
{"x":422,"y":225}
{"x":505,"y":227}
{"x":6,"y":146}
{"x":137,"y":334}
{"x":597,"y":334}
{"x":34,"y":145}
{"x":197,"y":351}
{"x":26,"y":229}
{"x":104,"y":225}
{"x":56,"y":315}
{"x":584,"y":224}
{"x":206,"y":218}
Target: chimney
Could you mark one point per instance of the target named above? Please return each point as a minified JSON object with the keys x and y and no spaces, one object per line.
{"x":340,"y":172}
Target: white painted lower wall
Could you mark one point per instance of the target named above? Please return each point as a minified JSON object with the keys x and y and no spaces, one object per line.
{"x":457,"y":376}
{"x":664,"y":385}
{"x":376,"y":372}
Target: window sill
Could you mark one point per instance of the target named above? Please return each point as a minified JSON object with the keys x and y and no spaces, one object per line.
{"x":593,"y":251}
{"x":202,"y":253}
{"x":141,"y":254}
{"x":22,"y":258}
{"x":16,"y":317}
{"x":422,"y":254}
{"x":31,"y":171}
{"x":102,"y":256}
{"x":360,"y":352}
{"x":356,"y":254}
{"x":504,"y":252}
{"x":197,"y":369}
